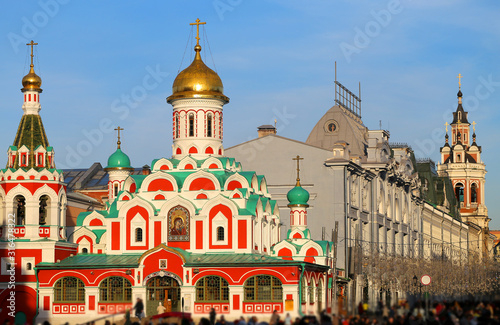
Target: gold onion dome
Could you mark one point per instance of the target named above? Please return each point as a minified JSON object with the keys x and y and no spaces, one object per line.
{"x":197,"y":81}
{"x":32,"y":81}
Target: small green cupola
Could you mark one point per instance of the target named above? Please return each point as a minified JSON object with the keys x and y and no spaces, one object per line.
{"x":298,"y":196}
{"x":118,"y":160}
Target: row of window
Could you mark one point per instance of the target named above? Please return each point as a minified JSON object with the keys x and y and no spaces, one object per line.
{"x":24,"y":160}
{"x":220,"y":231}
{"x":209,"y":288}
{"x":20,"y":206}
{"x":459,"y":192}
{"x":191,"y":125}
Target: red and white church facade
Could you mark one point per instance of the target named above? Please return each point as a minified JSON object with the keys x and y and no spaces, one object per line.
{"x":197,"y":232}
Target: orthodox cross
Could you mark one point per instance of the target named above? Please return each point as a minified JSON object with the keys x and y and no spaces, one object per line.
{"x":446,"y":125}
{"x":298,"y":159}
{"x":119,"y":142}
{"x":31,"y":44}
{"x":459,"y":80}
{"x":197,"y":29}
{"x":474,"y":126}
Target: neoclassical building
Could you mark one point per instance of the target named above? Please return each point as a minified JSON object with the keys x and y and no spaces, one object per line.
{"x":384,"y":201}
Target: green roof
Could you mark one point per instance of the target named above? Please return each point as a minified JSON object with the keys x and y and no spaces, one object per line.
{"x":83,"y":261}
{"x":118,"y":160}
{"x":31,"y":134}
{"x":138,"y":180}
{"x":232,"y":259}
{"x":99,"y":233}
{"x":298,"y":196}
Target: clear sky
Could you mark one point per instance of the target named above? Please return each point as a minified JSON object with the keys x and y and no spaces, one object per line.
{"x":113,"y":63}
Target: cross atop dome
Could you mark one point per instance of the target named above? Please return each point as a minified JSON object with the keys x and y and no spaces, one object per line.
{"x":460,"y":80}
{"x":198,"y":23}
{"x":32,"y":44}
{"x":298,"y":159}
{"x":119,"y":142}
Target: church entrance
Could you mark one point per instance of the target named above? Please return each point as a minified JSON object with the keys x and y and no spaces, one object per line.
{"x":164,"y":290}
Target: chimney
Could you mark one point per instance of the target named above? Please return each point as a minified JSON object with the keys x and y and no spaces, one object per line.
{"x":146,"y":170}
{"x":264,"y":130}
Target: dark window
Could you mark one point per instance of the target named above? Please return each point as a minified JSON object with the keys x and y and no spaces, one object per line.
{"x":459,"y":192}
{"x":212,"y":288}
{"x":28,"y":266}
{"x":116,"y":190}
{"x":177,"y":125}
{"x":209,"y":125}
{"x":85,"y":251}
{"x":220,"y":233}
{"x":69,"y":289}
{"x":20,"y":204}
{"x":263,"y":288}
{"x":115,"y":289}
{"x":42,"y":210}
{"x":191,"y":125}
{"x":138,"y":235}
{"x":473,"y":193}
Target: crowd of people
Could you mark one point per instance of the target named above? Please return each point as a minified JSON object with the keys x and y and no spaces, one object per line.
{"x":440,"y":313}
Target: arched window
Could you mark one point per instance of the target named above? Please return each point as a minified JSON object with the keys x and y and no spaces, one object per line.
{"x":459,"y":116}
{"x":303,"y":291}
{"x":220,"y":233}
{"x":473,"y":193}
{"x":115,"y":192}
{"x":20,"y":203}
{"x":209,"y":125}
{"x":319,"y":291}
{"x":212,"y":288}
{"x":69,"y":289}
{"x":263,"y":288}
{"x":85,"y":250}
{"x":42,"y":210}
{"x":23,"y":159}
{"x":115,"y":289}
{"x":138,"y":235}
{"x":312,"y":292}
{"x":177,"y":126}
{"x":29,"y":266}
{"x":220,"y":126}
{"x":191,"y":125}
{"x":459,"y":192}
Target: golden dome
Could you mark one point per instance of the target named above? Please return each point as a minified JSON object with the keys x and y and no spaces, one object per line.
{"x":32,"y":81}
{"x":197,"y":81}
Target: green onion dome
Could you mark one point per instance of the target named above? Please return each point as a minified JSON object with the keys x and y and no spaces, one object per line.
{"x":119,"y":160}
{"x":298,"y":196}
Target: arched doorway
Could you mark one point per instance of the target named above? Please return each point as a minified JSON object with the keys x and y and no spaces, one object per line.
{"x":161,"y":289}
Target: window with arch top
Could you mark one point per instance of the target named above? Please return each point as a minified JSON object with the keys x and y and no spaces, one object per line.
{"x":209,"y":125}
{"x":263,"y":288}
{"x":115,"y":289}
{"x":138,"y":235}
{"x":69,"y":289}
{"x":20,"y":204}
{"x":473,"y":193}
{"x":191,"y":125}
{"x":212,"y":288}
{"x":220,"y":233}
{"x":176,"y":126}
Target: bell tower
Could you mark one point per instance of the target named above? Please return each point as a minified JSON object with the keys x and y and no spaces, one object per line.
{"x":197,"y":99}
{"x":461,"y":163}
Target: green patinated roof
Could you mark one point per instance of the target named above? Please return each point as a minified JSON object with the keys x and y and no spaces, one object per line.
{"x":31,"y":134}
{"x":234,"y":259}
{"x":248,"y":176}
{"x":83,"y":261}
{"x":81,"y":217}
{"x":435,"y":188}
{"x":274,"y":204}
{"x":118,"y":160}
{"x":138,"y":180}
{"x":298,"y":196}
{"x":99,"y":233}
{"x":13,"y":148}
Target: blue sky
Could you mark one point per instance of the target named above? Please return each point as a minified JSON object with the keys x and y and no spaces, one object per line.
{"x":113,"y":63}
